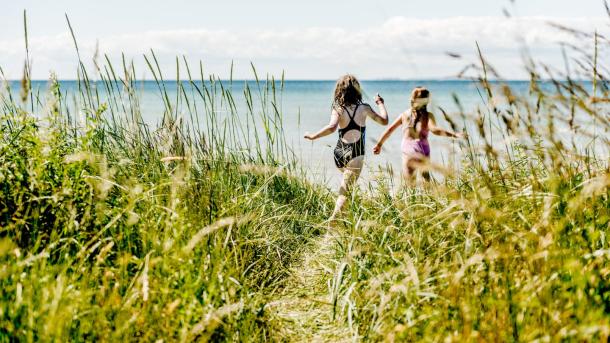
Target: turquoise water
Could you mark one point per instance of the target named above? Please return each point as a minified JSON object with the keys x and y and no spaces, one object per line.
{"x":305,"y":106}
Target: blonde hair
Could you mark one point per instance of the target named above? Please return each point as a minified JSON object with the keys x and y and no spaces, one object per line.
{"x":347,"y":92}
{"x":422,"y":111}
{"x":419,"y":93}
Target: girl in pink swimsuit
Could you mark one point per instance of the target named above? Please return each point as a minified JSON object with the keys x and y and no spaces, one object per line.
{"x":417,"y":123}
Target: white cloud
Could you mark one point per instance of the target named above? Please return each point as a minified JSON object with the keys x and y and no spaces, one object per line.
{"x":400,"y":48}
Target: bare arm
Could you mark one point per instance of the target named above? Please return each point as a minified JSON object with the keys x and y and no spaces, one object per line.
{"x":382,"y":116}
{"x":442,"y":132}
{"x":326,"y":130}
{"x":386,"y":134}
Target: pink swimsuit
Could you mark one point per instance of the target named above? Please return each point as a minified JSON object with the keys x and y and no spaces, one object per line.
{"x":416,"y":147}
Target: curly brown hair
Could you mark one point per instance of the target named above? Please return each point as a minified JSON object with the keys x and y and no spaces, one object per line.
{"x":347,"y":92}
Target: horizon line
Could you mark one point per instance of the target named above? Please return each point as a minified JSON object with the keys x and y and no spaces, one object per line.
{"x":315,"y":80}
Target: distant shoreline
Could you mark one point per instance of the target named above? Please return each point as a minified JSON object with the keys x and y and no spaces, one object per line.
{"x":329,"y":80}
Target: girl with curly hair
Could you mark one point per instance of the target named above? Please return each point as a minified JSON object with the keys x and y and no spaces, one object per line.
{"x":349,"y":115}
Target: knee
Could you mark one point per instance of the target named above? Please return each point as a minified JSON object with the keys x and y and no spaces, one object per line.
{"x":350,"y":176}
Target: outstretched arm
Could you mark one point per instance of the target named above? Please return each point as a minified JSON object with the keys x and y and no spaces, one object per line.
{"x":382,"y":116}
{"x":386,"y":134}
{"x":326,"y":130}
{"x":442,"y":132}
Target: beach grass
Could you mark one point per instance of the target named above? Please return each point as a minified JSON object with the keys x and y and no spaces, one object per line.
{"x":203,"y":227}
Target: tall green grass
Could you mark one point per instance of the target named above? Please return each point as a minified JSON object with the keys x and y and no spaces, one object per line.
{"x":195,"y":229}
{"x":115,"y":230}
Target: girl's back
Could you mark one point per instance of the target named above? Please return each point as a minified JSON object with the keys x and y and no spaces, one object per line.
{"x":415,"y":124}
{"x":356,"y":114}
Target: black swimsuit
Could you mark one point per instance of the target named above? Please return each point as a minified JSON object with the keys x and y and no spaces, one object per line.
{"x":345,"y":152}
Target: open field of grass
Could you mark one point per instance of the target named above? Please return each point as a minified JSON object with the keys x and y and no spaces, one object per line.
{"x":203,"y":227}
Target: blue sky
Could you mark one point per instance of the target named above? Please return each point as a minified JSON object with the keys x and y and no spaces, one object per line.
{"x":307,"y":39}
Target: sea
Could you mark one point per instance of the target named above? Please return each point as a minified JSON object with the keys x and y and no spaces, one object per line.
{"x":305,"y":106}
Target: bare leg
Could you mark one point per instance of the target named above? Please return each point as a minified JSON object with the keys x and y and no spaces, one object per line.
{"x":426,"y":176}
{"x":350,"y":175}
{"x":408,"y":169}
{"x":426,"y":167}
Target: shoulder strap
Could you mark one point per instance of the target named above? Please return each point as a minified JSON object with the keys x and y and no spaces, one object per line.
{"x":354,"y":113}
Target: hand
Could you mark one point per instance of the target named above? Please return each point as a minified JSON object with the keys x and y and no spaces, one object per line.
{"x":377,"y":149}
{"x":309,"y":136}
{"x":378,"y":99}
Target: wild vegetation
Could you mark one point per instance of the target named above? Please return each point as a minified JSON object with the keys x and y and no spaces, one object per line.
{"x":203,"y":227}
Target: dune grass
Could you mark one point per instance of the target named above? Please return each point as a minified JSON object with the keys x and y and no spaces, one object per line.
{"x":107,"y":236}
{"x":203,"y":227}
